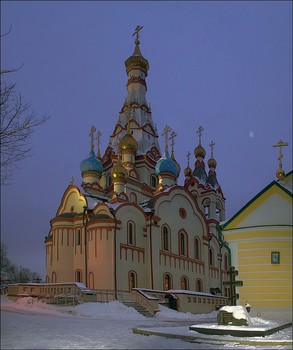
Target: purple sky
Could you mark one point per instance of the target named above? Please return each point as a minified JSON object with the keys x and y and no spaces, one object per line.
{"x":224,"y":65}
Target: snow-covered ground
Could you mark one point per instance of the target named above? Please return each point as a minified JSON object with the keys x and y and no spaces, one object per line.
{"x":36,"y":325}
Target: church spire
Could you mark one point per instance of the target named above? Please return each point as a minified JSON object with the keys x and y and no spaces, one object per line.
{"x":142,"y":126}
{"x":212,"y":163}
{"x":199,"y":152}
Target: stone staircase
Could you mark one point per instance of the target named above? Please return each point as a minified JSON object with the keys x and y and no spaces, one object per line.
{"x":138,"y":308}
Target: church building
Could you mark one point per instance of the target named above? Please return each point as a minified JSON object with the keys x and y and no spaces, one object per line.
{"x":131,"y":224}
{"x":260,"y":237}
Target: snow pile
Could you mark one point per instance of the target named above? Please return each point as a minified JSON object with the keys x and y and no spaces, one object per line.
{"x":111,"y":310}
{"x":239,"y":312}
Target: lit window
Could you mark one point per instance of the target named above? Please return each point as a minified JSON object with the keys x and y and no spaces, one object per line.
{"x":198,"y":285}
{"x":167,"y":282}
{"x":184,"y":283}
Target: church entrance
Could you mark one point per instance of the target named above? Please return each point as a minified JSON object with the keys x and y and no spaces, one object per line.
{"x":172,"y":301}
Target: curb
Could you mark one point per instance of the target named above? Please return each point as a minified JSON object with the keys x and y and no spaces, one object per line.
{"x":197,"y":339}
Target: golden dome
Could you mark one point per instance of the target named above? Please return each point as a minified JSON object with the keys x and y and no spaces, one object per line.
{"x":128,"y":142}
{"x":187,"y":171}
{"x":199,"y":151}
{"x":119,"y":173}
{"x":137,"y":60}
{"x":212,"y":163}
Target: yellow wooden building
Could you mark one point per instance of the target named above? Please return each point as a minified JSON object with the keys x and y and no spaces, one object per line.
{"x":260,"y":238}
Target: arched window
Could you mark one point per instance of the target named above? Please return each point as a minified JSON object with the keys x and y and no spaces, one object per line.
{"x":197,"y":248}
{"x":211,"y":256}
{"x":219,"y":211}
{"x":47,"y":279}
{"x":184,"y":283}
{"x":78,"y":276}
{"x":77,"y":240}
{"x":166,"y":238}
{"x":182,"y":244}
{"x":207,"y":210}
{"x":131,"y":233}
{"x":198,"y":285}
{"x":167,"y":282}
{"x":132,"y":280}
{"x":154,"y":182}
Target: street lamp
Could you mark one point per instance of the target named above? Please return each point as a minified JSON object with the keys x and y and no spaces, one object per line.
{"x":84,"y":221}
{"x":112,"y":211}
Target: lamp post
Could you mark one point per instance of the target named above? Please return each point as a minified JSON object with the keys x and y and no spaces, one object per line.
{"x":84,"y":221}
{"x":112,"y":211}
{"x":151,"y":249}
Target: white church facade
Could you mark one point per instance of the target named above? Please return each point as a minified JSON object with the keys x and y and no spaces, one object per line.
{"x":130,"y":224}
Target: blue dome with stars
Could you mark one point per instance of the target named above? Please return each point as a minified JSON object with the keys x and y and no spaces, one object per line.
{"x":91,"y":163}
{"x":166,"y":165}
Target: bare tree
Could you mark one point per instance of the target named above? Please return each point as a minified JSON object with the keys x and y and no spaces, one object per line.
{"x":18,"y":122}
{"x":13,"y":273}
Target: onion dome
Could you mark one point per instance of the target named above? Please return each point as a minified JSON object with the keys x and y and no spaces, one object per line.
{"x":212,"y":163}
{"x":91,"y":163}
{"x":166,"y":165}
{"x":199,"y":151}
{"x":119,"y":173}
{"x":187,"y":171}
{"x":128,"y":142}
{"x":137,"y":60}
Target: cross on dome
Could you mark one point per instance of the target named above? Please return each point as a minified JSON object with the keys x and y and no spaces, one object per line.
{"x":280,"y":144}
{"x":91,"y":135}
{"x":166,"y":132}
{"x":212,"y":144}
{"x":199,"y":132}
{"x":188,"y":156}
{"x":172,"y":137}
{"x":136,"y":32}
{"x":98,"y":138}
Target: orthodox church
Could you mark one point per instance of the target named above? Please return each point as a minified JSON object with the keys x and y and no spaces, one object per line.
{"x":131,"y":224}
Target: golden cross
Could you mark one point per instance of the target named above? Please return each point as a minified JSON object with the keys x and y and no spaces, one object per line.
{"x":280,"y":144}
{"x":98,"y":138}
{"x":172,"y":137}
{"x":212,"y":144}
{"x":188,"y":156}
{"x":199,"y":131}
{"x":91,"y":135}
{"x":166,"y":134}
{"x":136,"y":32}
{"x":71,"y":180}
